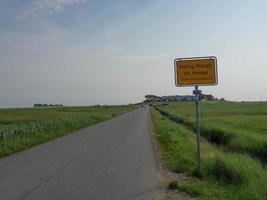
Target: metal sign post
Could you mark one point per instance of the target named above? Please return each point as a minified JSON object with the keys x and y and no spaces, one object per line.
{"x":197,"y":93}
{"x":196,"y":71}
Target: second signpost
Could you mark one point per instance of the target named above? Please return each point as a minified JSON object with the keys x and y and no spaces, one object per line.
{"x":196,"y":71}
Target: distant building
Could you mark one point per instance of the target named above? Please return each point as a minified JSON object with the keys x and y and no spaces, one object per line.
{"x":154,"y":98}
{"x":188,"y":98}
{"x":207,"y":97}
{"x":168,"y":98}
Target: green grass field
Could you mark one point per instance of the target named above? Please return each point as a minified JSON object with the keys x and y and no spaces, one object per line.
{"x":224,"y":175}
{"x":23,"y":128}
{"x":238,"y":127}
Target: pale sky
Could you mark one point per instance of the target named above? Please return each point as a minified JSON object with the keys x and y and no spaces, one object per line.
{"x":85,"y":52}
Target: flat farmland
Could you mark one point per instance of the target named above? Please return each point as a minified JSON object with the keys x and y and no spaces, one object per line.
{"x":26,"y":127}
{"x":239,"y":127}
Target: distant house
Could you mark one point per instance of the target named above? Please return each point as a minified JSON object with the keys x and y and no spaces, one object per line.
{"x":207,"y":97}
{"x":188,"y":98}
{"x":178,"y":98}
{"x":168,"y":98}
{"x":154,"y":98}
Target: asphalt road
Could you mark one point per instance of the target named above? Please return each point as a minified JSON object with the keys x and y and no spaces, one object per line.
{"x":112,"y":160}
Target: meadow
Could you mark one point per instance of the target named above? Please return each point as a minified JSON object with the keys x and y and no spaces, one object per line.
{"x":233,"y":126}
{"x":25,"y":127}
{"x":227,"y":172}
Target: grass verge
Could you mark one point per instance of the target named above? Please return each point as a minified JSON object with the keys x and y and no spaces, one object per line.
{"x":223,"y":175}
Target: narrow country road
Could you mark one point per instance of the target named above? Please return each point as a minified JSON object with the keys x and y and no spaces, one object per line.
{"x":111,"y":160}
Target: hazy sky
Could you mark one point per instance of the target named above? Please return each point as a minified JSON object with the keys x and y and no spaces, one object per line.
{"x":83,"y":52}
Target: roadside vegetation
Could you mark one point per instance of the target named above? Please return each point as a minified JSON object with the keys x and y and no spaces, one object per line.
{"x":238,"y":127}
{"x":23,"y":128}
{"x":224,"y":174}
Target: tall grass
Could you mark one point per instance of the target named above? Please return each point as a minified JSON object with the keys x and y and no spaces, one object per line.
{"x":223,"y":175}
{"x":23,"y":128}
{"x":239,"y":127}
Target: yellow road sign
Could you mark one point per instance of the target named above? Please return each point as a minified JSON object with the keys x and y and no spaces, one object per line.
{"x":196,"y":71}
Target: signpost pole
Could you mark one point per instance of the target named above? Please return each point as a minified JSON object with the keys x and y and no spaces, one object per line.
{"x":197,"y":93}
{"x":196,"y":71}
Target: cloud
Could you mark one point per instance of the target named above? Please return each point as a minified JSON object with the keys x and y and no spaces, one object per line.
{"x":46,"y":7}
